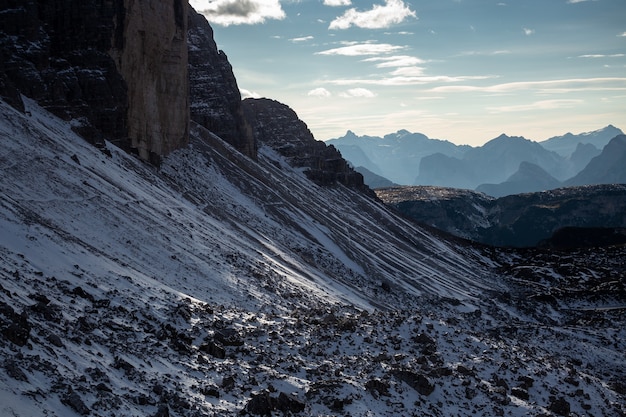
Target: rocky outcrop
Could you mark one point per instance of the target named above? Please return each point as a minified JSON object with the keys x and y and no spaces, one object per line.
{"x":276,"y":125}
{"x":152,"y":58}
{"x":215,"y":100}
{"x":117,"y":69}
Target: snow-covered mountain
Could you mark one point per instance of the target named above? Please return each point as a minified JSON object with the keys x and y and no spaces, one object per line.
{"x":218,"y":284}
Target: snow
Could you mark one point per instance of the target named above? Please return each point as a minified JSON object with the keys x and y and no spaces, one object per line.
{"x":167,"y":258}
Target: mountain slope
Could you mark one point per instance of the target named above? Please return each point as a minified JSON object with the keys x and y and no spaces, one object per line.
{"x":221,"y":285}
{"x":607,"y":168}
{"x":528,"y":178}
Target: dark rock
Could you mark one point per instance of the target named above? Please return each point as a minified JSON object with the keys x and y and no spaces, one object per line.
{"x":210,"y":391}
{"x":214,"y":349}
{"x":418,"y":382}
{"x":163,"y":411}
{"x":13,"y":326}
{"x":277,"y":126}
{"x":215,"y":100}
{"x":14,"y":370}
{"x":78,"y":291}
{"x":228,"y":337}
{"x":260,"y":404}
{"x":228,"y":382}
{"x":559,"y":406}
{"x":55,"y":340}
{"x":289,"y":404}
{"x":377,"y":387}
{"x":526,"y":382}
{"x":73,"y":400}
{"x":520,"y":393}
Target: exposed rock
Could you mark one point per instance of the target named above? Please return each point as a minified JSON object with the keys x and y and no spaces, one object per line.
{"x":152,"y":58}
{"x":278,"y":126}
{"x":118,"y":69}
{"x":559,"y":406}
{"x":13,"y":326}
{"x":75,"y":402}
{"x":215,"y":100}
{"x":214,"y":349}
{"x":418,"y":382}
{"x":377,"y":387}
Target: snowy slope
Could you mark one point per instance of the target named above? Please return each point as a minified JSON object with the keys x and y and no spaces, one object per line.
{"x":217,"y":284}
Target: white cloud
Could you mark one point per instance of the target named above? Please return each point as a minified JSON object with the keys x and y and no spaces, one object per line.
{"x":623,"y":35}
{"x":408,"y":80}
{"x":248,"y":94}
{"x":528,"y":31}
{"x":238,"y":12}
{"x":359,"y":49}
{"x":379,"y":17}
{"x":602,"y":56}
{"x":538,"y":105}
{"x":319,"y":92}
{"x":302,"y":39}
{"x":565,"y":85}
{"x":395,"y":61}
{"x":335,"y":3}
{"x":408,"y":72}
{"x":357,"y":92}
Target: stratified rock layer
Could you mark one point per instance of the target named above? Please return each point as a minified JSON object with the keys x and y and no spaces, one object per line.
{"x":276,"y":125}
{"x":215,"y":97}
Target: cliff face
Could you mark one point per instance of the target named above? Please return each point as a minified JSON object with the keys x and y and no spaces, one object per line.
{"x":56,"y":52}
{"x":278,"y":126}
{"x":214,"y":94}
{"x":117,"y":68}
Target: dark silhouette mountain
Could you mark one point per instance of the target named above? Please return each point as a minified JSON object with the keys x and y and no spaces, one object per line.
{"x":607,"y":168}
{"x":520,"y":220}
{"x":373,"y":180}
{"x":528,"y":178}
{"x":395,"y":156}
{"x":566,"y":145}
{"x":492,"y":163}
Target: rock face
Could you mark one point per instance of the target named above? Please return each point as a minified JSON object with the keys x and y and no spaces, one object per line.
{"x":278,"y":126}
{"x":56,"y":52}
{"x":152,"y":58}
{"x":215,"y":98}
{"x":117,"y":69}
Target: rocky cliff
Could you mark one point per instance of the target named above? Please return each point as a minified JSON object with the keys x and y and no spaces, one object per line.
{"x":152,"y":58}
{"x":116,"y":69}
{"x":276,"y":125}
{"x":215,"y":98}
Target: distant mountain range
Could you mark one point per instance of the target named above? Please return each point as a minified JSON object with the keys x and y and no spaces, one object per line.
{"x":504,"y":165}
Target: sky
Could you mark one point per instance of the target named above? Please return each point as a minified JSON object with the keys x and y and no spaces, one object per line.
{"x":461,"y":70}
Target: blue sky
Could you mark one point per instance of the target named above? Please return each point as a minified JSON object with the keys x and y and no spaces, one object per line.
{"x":462,"y":70}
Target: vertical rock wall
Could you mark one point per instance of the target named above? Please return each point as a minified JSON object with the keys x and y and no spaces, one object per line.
{"x":215,"y":97}
{"x":151,"y":55}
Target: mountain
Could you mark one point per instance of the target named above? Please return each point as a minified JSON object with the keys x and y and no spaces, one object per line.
{"x":494,"y":162}
{"x":395,"y":156}
{"x":607,"y":168}
{"x":566,"y":145}
{"x":217,"y":284}
{"x":521,"y":220}
{"x":373,"y":180}
{"x":528,"y":178}
{"x":189,"y":274}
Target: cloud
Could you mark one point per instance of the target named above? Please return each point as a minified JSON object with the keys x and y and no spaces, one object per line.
{"x":379,"y":17}
{"x":414,"y":79}
{"x":319,"y":92}
{"x":395,"y":61}
{"x":357,"y":92}
{"x":622,"y":35}
{"x":248,"y":94}
{"x":408,"y":72}
{"x":302,"y":39}
{"x":528,"y":32}
{"x":335,"y":3}
{"x":602,"y":56}
{"x":538,"y":105}
{"x":552,"y":86}
{"x":359,"y":49}
{"x":239,"y":12}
